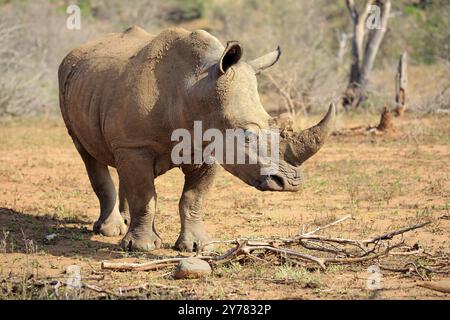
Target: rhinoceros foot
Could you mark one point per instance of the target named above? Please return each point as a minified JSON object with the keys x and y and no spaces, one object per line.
{"x":191,"y":238}
{"x":145,"y":242}
{"x":113,"y":226}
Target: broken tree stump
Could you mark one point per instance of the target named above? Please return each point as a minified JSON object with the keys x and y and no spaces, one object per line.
{"x":401,"y":82}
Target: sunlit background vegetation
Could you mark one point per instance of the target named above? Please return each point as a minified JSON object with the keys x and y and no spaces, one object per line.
{"x":34,"y":39}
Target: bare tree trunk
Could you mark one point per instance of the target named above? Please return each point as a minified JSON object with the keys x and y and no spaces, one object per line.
{"x":359,"y":22}
{"x":365,"y":46}
{"x":343,"y":39}
{"x":401,"y":82}
{"x":374,"y":40}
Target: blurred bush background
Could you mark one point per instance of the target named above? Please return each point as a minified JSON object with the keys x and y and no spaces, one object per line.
{"x":34,"y":39}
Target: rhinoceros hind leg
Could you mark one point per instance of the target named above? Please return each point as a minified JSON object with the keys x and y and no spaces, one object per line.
{"x":137,"y":183}
{"x":198,"y":180}
{"x":110,"y":222}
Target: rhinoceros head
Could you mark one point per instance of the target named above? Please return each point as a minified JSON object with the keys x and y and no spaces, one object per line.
{"x":229,"y":95}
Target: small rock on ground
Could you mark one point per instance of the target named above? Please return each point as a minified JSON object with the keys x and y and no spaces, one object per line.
{"x":192,"y":268}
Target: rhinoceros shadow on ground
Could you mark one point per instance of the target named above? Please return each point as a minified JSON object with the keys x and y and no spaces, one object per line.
{"x":21,"y":232}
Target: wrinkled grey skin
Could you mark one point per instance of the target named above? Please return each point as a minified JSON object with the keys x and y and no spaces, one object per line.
{"x":123,"y":95}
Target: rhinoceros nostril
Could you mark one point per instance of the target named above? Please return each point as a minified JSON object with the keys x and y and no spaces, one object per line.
{"x":278,"y":180}
{"x":271,"y":183}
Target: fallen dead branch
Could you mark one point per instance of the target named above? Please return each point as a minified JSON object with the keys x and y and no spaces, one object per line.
{"x":441,"y":286}
{"x":333,"y":250}
{"x":56,"y":285}
{"x":152,"y":265}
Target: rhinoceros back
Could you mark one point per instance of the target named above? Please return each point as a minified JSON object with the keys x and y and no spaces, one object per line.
{"x":118,"y":91}
{"x":88,"y":83}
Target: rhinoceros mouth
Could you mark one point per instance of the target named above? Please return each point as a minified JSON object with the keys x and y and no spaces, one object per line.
{"x":271,"y":183}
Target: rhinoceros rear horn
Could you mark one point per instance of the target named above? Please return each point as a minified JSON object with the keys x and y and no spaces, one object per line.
{"x":266,"y":61}
{"x":306,"y":143}
{"x":231,"y":55}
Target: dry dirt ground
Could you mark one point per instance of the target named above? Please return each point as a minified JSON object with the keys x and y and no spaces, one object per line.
{"x":385,"y":182}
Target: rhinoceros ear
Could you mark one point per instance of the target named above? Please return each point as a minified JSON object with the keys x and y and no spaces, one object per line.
{"x":266,"y":61}
{"x":231,"y":55}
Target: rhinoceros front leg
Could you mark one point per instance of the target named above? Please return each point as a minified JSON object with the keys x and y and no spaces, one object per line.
{"x":198,"y":180}
{"x":110,"y":222}
{"x":123,"y":204}
{"x":135,"y":168}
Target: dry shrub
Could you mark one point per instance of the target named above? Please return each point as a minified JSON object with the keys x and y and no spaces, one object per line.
{"x":306,"y":71}
{"x":19,"y":92}
{"x":34,"y":39}
{"x":436,"y":102}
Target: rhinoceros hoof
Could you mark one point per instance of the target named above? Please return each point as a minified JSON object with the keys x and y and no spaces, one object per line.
{"x":147,"y":243}
{"x":190,"y":241}
{"x":112,"y":227}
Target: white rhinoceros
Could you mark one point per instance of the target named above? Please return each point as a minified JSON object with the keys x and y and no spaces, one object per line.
{"x":124,"y":94}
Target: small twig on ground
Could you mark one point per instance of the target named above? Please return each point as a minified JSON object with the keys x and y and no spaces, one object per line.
{"x":146,"y":286}
{"x":98,"y":289}
{"x":146,"y":266}
{"x":327,"y":226}
{"x":390,"y":235}
{"x":408,"y":253}
{"x":365,"y":258}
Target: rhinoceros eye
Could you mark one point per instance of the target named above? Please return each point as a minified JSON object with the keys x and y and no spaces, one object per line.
{"x":250,"y":136}
{"x":251,"y":133}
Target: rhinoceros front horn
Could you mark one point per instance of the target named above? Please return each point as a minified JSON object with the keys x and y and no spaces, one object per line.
{"x":300,"y":146}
